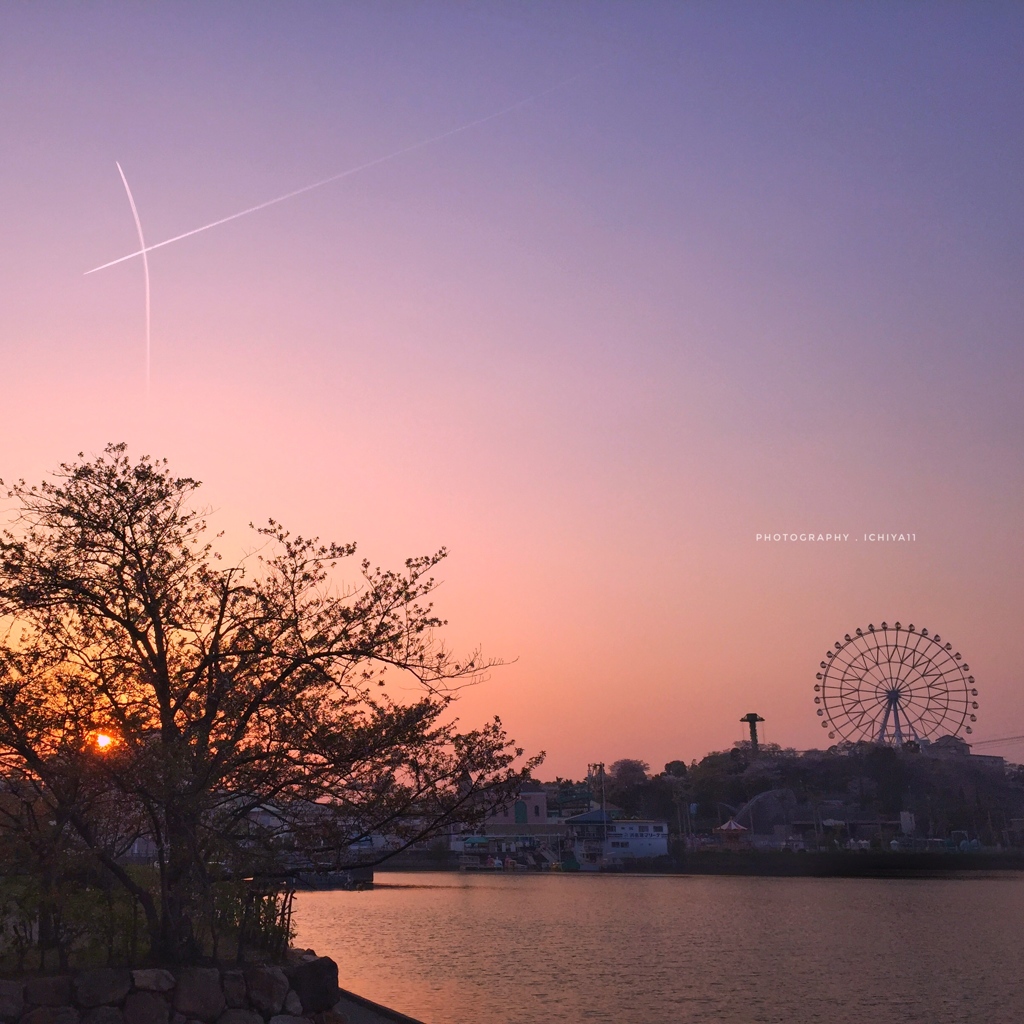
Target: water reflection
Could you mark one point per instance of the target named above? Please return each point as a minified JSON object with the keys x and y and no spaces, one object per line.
{"x":526,"y":949}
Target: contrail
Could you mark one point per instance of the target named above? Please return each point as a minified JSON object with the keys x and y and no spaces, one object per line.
{"x":326,"y":181}
{"x":145,"y":263}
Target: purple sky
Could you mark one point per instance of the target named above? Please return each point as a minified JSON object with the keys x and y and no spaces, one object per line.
{"x":754,"y":268}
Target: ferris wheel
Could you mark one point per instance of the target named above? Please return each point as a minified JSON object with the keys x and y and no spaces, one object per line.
{"x":890,"y":684}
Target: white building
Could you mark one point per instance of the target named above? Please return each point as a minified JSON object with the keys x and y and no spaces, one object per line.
{"x":602,"y":841}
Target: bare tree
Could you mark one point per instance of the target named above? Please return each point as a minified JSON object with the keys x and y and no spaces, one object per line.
{"x":235,"y":715}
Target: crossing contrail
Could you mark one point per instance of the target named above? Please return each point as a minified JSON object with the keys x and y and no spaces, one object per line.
{"x":145,"y":263}
{"x":327,"y":181}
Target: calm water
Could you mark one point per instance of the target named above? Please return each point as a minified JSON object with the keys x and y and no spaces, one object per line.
{"x":527,"y":949}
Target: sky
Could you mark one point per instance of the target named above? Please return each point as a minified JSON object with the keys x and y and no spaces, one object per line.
{"x":709,"y":271}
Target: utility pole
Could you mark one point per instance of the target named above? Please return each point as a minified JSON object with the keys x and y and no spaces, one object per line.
{"x":753,"y":718}
{"x":597,"y":770}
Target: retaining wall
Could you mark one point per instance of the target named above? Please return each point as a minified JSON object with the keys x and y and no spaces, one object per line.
{"x":305,"y":991}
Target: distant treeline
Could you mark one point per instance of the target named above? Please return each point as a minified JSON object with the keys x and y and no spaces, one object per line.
{"x":942,"y":786}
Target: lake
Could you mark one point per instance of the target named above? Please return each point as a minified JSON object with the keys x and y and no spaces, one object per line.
{"x":452,"y":948}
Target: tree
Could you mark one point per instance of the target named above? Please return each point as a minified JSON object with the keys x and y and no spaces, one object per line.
{"x":628,"y":779}
{"x":236,"y":716}
{"x":628,"y":772}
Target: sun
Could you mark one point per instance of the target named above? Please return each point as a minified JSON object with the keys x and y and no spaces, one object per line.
{"x":103,"y":741}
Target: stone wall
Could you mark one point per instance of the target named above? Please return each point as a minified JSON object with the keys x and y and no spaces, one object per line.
{"x":305,"y":991}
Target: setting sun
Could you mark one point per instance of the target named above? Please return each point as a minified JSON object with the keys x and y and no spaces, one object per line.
{"x":103,"y":741}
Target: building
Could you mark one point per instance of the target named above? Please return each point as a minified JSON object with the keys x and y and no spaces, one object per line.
{"x":520,"y":829}
{"x":566,"y":799}
{"x":529,"y":808}
{"x":952,"y":747}
{"x":599,"y":840}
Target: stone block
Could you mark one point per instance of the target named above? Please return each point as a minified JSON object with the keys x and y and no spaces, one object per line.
{"x":51,"y":1015}
{"x":292,"y":1003}
{"x":12,"y":999}
{"x":104,"y":1015}
{"x":233,"y":984}
{"x":153,"y":979}
{"x":287,"y":1018}
{"x":316,"y":982}
{"x":146,"y":1008}
{"x":267,"y":987}
{"x":105,"y":986}
{"x":48,"y":991}
{"x":236,"y":1016}
{"x":199,"y":995}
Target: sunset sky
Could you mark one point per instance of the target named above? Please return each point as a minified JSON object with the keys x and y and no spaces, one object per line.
{"x":734,"y":268}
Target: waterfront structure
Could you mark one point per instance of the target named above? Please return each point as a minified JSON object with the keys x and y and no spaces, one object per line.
{"x":530,"y":846}
{"x":520,"y":829}
{"x":598,"y":840}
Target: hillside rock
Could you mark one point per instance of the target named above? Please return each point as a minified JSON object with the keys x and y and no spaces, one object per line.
{"x":199,"y":995}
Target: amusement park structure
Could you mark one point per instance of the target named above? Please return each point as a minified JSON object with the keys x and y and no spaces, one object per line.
{"x":894,"y":684}
{"x":752,"y":718}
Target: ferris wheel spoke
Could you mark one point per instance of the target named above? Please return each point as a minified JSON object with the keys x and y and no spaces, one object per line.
{"x":857,"y":717}
{"x":869,"y":718}
{"x":902,"y":654}
{"x":856,"y":666}
{"x":855,"y":721}
{"x":878,"y":674}
{"x":846,"y":722}
{"x":931,"y":714}
{"x":916,"y":648}
{"x":854,"y":699}
{"x":851,"y":682}
{"x":919,"y":656}
{"x":890,"y":647}
{"x":869,"y":673}
{"x":934,"y":716}
{"x":938,"y":711}
{"x":851,"y":710}
{"x":916,"y":668}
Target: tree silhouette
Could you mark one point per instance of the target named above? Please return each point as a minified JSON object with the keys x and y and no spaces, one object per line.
{"x":235,"y":716}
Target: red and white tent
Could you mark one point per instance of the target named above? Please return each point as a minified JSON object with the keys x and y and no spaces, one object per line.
{"x":732,"y":825}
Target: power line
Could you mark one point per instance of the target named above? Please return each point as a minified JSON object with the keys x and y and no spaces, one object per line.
{"x":1003,"y":739}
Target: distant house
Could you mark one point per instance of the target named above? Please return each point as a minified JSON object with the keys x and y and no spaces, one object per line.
{"x":520,"y":827}
{"x":599,"y":840}
{"x":955,"y":747}
{"x":949,"y":746}
{"x":529,"y":808}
